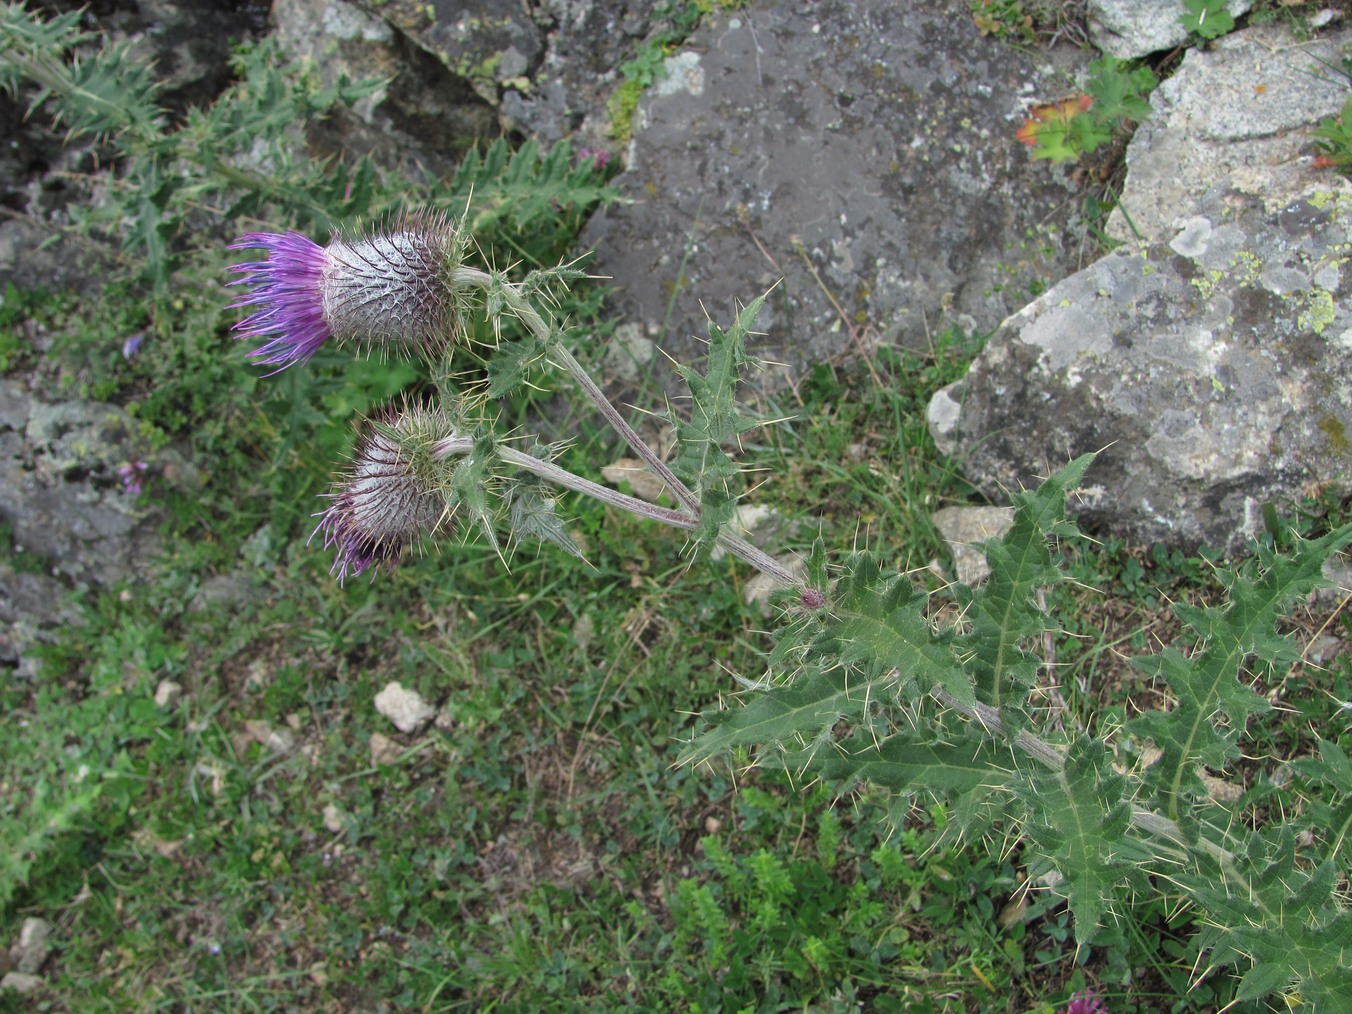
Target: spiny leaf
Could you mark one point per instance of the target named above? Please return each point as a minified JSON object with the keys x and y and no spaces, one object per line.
{"x":470,"y":482}
{"x":1209,"y":683}
{"x":1003,"y":614}
{"x":510,"y":365}
{"x":531,"y":515}
{"x":1266,"y":908}
{"x":904,"y":763}
{"x":881,"y":627}
{"x":714,"y":417}
{"x":1080,"y":828}
{"x":791,"y":716}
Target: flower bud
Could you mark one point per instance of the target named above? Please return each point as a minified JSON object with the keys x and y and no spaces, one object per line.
{"x":387,"y":290}
{"x":391,"y":495}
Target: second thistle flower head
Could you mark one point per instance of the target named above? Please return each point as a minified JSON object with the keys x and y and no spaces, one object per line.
{"x":392,"y":494}
{"x":389,"y":289}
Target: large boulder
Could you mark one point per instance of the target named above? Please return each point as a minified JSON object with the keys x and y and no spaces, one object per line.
{"x":1235,"y":115}
{"x":1210,"y":363}
{"x":857,"y":157}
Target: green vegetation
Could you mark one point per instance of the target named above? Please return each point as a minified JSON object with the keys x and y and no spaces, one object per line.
{"x":675,"y":19}
{"x":198,"y":793}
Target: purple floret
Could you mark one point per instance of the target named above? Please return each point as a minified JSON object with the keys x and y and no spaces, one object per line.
{"x":287,"y":285}
{"x":1086,"y":1001}
{"x":378,"y":508}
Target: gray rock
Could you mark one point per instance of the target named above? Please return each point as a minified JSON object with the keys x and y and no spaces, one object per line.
{"x":1212,"y":372}
{"x":33,"y":945}
{"x":60,"y":490}
{"x":71,"y":520}
{"x":1129,"y":29}
{"x":860,"y":155}
{"x":965,"y":529}
{"x":32,"y":607}
{"x":167,"y":694}
{"x":566,"y":96}
{"x":430,"y":108}
{"x":21,"y":982}
{"x":1237,"y":114}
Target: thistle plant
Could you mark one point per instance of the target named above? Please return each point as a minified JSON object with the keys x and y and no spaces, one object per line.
{"x":865,"y":684}
{"x":406,"y":289}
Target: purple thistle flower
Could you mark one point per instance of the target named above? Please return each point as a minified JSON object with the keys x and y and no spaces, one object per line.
{"x":382,"y":290}
{"x":600,"y":156}
{"x":1086,"y":1001}
{"x":384,"y":502}
{"x":131,"y":474}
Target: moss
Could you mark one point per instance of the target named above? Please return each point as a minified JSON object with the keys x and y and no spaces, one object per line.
{"x":1333,"y":428}
{"x":622,"y":106}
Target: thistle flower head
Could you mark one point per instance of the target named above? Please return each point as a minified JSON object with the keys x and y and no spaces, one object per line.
{"x":1086,"y":1001}
{"x":391,"y":495}
{"x":390,"y":289}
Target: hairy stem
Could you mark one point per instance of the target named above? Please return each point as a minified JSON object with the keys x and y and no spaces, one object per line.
{"x":560,"y":476}
{"x":1044,"y":753}
{"x":528,"y":315}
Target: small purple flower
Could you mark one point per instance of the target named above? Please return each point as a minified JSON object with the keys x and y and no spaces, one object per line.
{"x":811,"y":598}
{"x":600,"y":156}
{"x":1086,"y":1001}
{"x":382,"y":290}
{"x":132,"y":346}
{"x":384,"y":502}
{"x":131,"y":474}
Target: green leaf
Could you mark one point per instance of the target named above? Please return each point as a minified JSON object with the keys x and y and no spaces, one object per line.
{"x":1268,"y":908}
{"x":1003,"y":614}
{"x":531,"y":515}
{"x":1331,"y":817}
{"x":1207,"y":19}
{"x":510,"y":365}
{"x":1118,"y":93}
{"x":714,"y":417}
{"x":1078,"y":825}
{"x":791,"y":717}
{"x":903,"y":763}
{"x":1263,"y":980}
{"x":881,"y":627}
{"x":1209,"y":681}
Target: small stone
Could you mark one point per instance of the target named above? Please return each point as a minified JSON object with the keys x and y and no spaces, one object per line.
{"x":32,"y":948}
{"x":21,"y":982}
{"x":446,"y":720}
{"x":964,"y":529}
{"x":712,"y":825}
{"x":384,"y":750}
{"x":634,"y":472}
{"x":278,"y":741}
{"x":333,"y":817}
{"x":167,"y":694}
{"x":759,"y":588}
{"x":405,"y":708}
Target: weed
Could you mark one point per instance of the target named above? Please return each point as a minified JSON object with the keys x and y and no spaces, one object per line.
{"x":1113,"y":101}
{"x":1207,"y":19}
